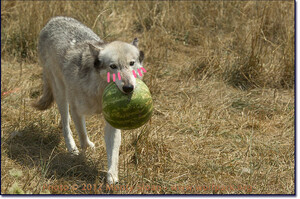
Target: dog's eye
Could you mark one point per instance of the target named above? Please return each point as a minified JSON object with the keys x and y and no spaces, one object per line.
{"x":131,"y":63}
{"x":113,"y":66}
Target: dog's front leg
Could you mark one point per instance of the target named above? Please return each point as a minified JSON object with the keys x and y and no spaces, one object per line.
{"x":113,"y":142}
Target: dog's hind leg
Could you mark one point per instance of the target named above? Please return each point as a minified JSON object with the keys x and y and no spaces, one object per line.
{"x":113,"y":142}
{"x":79,"y":122}
{"x":63,"y":107}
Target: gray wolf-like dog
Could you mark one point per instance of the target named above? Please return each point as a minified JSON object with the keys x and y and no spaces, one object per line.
{"x":75,"y":66}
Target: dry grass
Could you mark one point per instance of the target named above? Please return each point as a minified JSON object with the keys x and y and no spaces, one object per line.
{"x":222,"y":79}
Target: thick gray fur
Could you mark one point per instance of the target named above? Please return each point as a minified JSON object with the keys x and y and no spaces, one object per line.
{"x":75,"y":65}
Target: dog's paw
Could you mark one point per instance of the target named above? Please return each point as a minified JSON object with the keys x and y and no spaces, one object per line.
{"x":87,"y":144}
{"x":91,"y":144}
{"x":74,"y":151}
{"x":112,"y":179}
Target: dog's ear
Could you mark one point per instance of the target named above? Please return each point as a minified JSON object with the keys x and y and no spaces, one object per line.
{"x":135,"y":42}
{"x":95,"y":51}
{"x":141,"y":57}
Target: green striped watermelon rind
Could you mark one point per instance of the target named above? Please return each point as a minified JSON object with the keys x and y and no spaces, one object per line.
{"x":124,"y":111}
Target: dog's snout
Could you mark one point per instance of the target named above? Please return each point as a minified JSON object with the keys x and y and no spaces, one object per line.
{"x":128,"y":88}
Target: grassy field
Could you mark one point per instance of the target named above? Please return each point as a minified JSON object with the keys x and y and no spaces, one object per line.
{"x":222,"y":79}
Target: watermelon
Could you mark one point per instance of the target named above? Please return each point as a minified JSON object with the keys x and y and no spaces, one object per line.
{"x":127,"y":111}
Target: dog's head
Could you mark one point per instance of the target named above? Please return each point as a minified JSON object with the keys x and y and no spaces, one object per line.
{"x":117,"y":60}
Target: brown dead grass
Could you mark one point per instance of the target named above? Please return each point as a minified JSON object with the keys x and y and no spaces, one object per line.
{"x":221,"y":75}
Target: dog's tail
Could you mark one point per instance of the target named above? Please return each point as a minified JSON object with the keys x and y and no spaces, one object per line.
{"x":47,"y":99}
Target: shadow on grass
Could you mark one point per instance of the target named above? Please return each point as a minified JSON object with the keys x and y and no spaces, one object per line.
{"x":39,"y":149}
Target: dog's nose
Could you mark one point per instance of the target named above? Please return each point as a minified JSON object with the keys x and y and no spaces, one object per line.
{"x":128,"y":89}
